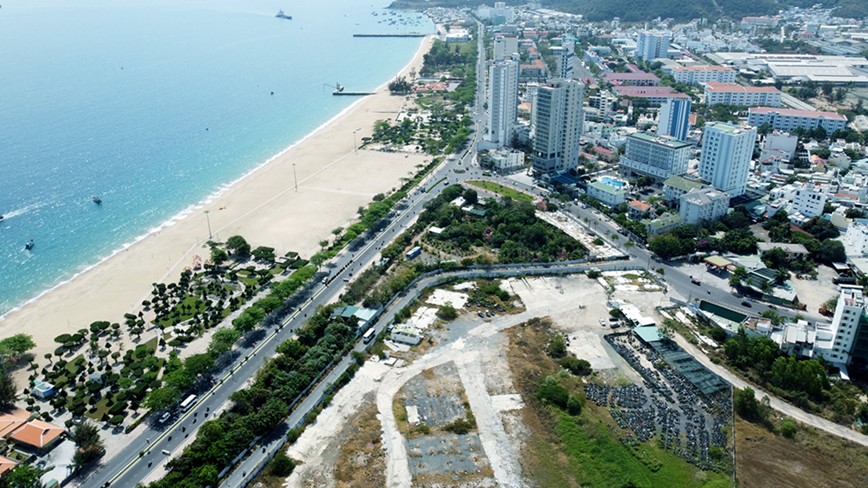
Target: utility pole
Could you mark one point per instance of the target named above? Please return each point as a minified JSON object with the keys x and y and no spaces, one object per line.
{"x":295,"y":176}
{"x":208,"y":219}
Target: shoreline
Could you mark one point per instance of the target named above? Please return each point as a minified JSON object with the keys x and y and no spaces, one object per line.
{"x":318,"y":156}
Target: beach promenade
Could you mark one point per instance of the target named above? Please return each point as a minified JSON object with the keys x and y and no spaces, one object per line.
{"x":266,"y":207}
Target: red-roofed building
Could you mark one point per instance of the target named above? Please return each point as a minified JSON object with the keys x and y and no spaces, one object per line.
{"x":6,"y":465}
{"x":655,"y":95}
{"x":790,"y":119}
{"x":639,"y":78}
{"x":637,"y":210}
{"x":745,"y":96}
{"x":534,"y":71}
{"x":605,"y":154}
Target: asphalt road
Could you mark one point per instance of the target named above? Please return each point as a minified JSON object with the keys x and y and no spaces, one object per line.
{"x":126,"y":468}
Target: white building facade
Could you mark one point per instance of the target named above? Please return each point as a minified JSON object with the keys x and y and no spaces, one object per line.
{"x":703,"y":204}
{"x":835,"y":343}
{"x":557,"y":125}
{"x":744,"y":96}
{"x":694,"y":75}
{"x":788,"y":119}
{"x":726,"y":154}
{"x":856,"y":238}
{"x":652,"y":45}
{"x":656,"y":156}
{"x":502,"y":101}
{"x":505,"y":47}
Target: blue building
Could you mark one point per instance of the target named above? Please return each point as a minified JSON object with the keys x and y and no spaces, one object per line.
{"x":674,"y":118}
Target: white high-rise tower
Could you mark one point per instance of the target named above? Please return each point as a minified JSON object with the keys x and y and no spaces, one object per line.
{"x":726,"y":154}
{"x":558,"y":119}
{"x":502,"y":101}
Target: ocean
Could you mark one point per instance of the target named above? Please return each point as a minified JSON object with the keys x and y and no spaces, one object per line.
{"x":154,"y":106}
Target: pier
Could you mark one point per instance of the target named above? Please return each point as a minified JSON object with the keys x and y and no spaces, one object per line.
{"x":412,"y":34}
{"x":338,"y":93}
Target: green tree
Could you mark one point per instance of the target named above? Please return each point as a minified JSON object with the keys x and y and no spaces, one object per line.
{"x":470,"y":196}
{"x":162,"y":398}
{"x":89,"y":445}
{"x":12,"y":348}
{"x":788,"y":428}
{"x":557,"y":348}
{"x":746,"y":405}
{"x":22,"y":476}
{"x":666,"y":246}
{"x":8,"y":389}
{"x":550,"y":391}
{"x":738,"y":276}
{"x":223,"y":340}
{"x":218,"y":256}
{"x":239,"y":247}
{"x":831,"y":251}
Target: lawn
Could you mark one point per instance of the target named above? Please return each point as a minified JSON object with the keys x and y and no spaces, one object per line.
{"x":501,"y":190}
{"x":598,"y":459}
{"x":184,"y":310}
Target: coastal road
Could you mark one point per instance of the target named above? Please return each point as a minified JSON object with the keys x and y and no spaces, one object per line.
{"x":126,"y":468}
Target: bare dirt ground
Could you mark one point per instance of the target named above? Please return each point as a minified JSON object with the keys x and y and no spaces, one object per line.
{"x":465,"y":369}
{"x":812,"y":459}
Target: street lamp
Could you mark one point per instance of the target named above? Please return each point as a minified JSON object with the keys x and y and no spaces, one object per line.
{"x":294,"y":175}
{"x":355,"y":148}
{"x":208,"y":219}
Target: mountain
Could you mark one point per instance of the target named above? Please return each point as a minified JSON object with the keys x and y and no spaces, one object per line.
{"x":597,"y":10}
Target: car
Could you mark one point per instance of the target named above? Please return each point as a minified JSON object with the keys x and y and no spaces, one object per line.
{"x":164,"y":418}
{"x":695,"y":281}
{"x":746,"y":304}
{"x":480,"y":314}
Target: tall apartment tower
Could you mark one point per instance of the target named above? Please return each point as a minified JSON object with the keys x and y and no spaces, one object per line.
{"x":502,"y":101}
{"x":652,"y":45}
{"x":836,"y":343}
{"x":563,"y":61}
{"x":558,"y":119}
{"x":505,"y":47}
{"x":674,"y":118}
{"x":726,"y":154}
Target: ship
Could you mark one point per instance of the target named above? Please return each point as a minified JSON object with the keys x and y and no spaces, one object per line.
{"x":29,"y":245}
{"x":96,"y":199}
{"x":281,"y":15}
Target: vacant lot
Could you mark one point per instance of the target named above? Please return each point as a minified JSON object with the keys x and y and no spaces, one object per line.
{"x":586,"y":450}
{"x":812,"y":459}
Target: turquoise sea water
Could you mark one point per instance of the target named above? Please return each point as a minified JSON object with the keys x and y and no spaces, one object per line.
{"x":153,"y":106}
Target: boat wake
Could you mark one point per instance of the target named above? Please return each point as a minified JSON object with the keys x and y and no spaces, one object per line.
{"x":20,"y":211}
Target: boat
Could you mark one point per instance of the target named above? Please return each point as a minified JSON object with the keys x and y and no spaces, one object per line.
{"x":96,"y":199}
{"x":29,"y":245}
{"x":1,"y":217}
{"x":281,"y":15}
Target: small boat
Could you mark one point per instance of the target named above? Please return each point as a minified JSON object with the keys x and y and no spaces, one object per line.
{"x":96,"y":199}
{"x":1,"y":217}
{"x":29,"y":245}
{"x":281,"y":15}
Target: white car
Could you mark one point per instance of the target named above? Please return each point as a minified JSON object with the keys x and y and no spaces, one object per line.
{"x":164,"y":418}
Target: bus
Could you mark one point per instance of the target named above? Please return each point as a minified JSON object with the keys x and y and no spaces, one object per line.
{"x":369,"y":335}
{"x":188,"y":402}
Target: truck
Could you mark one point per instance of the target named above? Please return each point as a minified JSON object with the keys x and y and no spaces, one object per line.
{"x":412,"y":253}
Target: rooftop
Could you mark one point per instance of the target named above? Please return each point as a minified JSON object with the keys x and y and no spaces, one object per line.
{"x":37,"y":433}
{"x":639,"y":75}
{"x":648,"y":92}
{"x":703,"y":196}
{"x":704,"y":68}
{"x":682,"y":183}
{"x":667,"y":141}
{"x":790,"y":248}
{"x":640,"y":206}
{"x":723,"y":87}
{"x":790,"y":112}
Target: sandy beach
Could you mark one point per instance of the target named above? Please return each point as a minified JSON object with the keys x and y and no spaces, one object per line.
{"x":265,"y":207}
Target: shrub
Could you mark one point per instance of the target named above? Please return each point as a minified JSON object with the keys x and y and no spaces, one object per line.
{"x":574,"y":405}
{"x":460,"y":427}
{"x":788,"y":428}
{"x":557,"y":348}
{"x":550,"y":391}
{"x":578,"y":367}
{"x":281,"y":465}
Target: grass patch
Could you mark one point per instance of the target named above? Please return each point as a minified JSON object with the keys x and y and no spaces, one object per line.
{"x":501,"y":190}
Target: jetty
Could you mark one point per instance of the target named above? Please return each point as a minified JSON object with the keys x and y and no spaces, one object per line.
{"x":412,"y":34}
{"x":351,"y":94}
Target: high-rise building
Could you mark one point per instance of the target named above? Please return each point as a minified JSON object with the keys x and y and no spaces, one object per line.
{"x":502,"y":101}
{"x":652,"y":45}
{"x":505,"y":47}
{"x":674,"y":118}
{"x":656,"y":156}
{"x":835,"y":342}
{"x":726,"y":154}
{"x":563,"y":62}
{"x":557,"y":125}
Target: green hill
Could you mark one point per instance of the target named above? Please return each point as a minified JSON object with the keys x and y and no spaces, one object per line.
{"x":597,"y":10}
